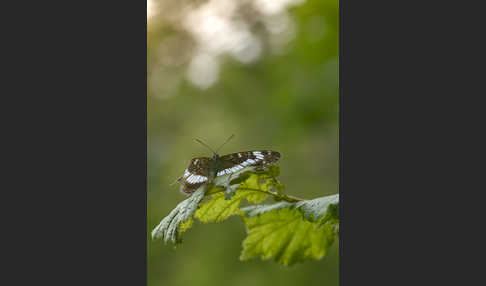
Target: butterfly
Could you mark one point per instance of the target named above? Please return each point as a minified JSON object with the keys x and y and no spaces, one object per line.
{"x":203,"y":170}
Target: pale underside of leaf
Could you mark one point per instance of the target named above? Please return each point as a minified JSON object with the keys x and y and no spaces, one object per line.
{"x":316,"y":208}
{"x":311,"y":209}
{"x":169,"y":228}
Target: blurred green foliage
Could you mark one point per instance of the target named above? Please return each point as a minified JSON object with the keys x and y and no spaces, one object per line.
{"x":287,"y":102}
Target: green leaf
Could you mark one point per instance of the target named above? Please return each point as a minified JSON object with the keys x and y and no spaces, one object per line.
{"x":290,"y":232}
{"x":254,"y":188}
{"x":179,"y":219}
{"x":218,"y":208}
{"x":183,"y":226}
{"x":227,"y":192}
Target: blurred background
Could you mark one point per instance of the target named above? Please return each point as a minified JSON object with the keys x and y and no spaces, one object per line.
{"x":264,"y":70}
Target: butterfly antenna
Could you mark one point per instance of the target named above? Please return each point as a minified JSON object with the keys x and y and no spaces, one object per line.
{"x":176,"y":181}
{"x":231,"y":137}
{"x":204,"y":144}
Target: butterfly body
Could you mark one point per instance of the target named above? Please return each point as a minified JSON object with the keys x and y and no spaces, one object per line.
{"x":203,"y":170}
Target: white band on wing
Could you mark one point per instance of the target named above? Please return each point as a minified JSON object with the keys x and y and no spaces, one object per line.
{"x":245,"y":163}
{"x":194,"y":179}
{"x":186,"y":173}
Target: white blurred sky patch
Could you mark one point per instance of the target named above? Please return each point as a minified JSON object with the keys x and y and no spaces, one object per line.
{"x":151,"y":9}
{"x":281,"y":29}
{"x":219,"y":28}
{"x":271,"y":7}
{"x":203,"y":70}
{"x":217,"y":32}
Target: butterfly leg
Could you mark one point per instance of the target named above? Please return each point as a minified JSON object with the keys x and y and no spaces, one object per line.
{"x":230,"y":191}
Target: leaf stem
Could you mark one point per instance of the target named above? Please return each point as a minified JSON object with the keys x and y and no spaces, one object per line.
{"x":277,"y":197}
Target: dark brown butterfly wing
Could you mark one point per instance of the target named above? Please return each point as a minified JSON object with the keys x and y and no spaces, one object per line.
{"x":195,"y":175}
{"x":232,"y":163}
